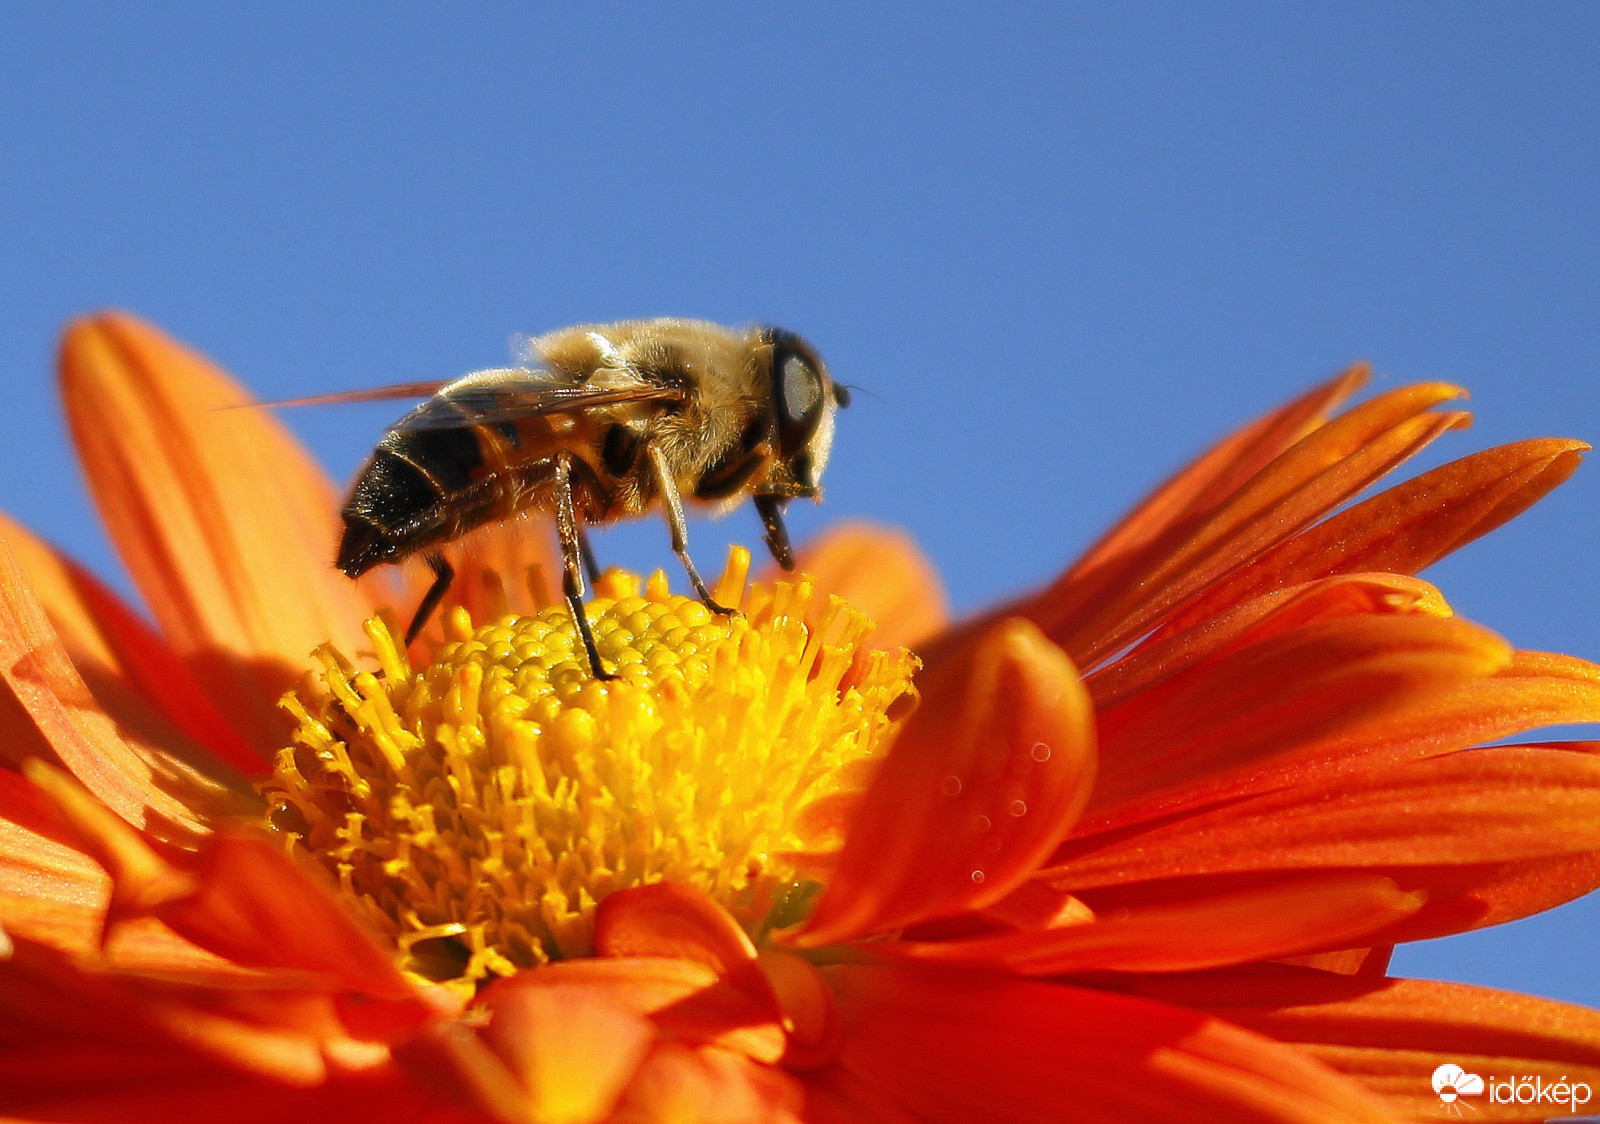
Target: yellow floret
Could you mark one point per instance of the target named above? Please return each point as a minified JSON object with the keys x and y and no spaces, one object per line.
{"x":481,"y":807}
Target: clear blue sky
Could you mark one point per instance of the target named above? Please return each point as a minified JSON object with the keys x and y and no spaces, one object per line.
{"x":1066,"y":244}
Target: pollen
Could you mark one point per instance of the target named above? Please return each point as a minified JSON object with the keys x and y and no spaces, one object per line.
{"x":478,"y":809}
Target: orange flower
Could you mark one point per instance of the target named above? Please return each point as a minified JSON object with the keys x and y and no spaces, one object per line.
{"x":1140,"y":852}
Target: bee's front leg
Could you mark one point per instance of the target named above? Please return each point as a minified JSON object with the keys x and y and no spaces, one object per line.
{"x":667,"y":487}
{"x":572,"y":563}
{"x":443,"y":574}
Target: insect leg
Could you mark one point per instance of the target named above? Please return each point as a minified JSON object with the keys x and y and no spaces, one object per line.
{"x":443,"y":573}
{"x":572,"y":563}
{"x":680,"y":535}
{"x":586,"y":551}
{"x":770,"y":509}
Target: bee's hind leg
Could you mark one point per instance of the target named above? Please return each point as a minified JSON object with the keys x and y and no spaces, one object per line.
{"x":443,"y":574}
{"x":572,"y":551}
{"x":680,"y":534}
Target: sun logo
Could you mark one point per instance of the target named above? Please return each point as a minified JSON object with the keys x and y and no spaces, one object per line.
{"x":1452,"y":1082}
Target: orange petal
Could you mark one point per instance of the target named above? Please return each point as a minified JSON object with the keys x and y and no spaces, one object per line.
{"x":966,"y":1047}
{"x":572,"y":1052}
{"x":1303,"y":484}
{"x":1390,"y":1034}
{"x":1203,"y":486}
{"x":880,"y":572}
{"x":1309,"y":684}
{"x":1406,"y":528}
{"x":98,"y":1085}
{"x":1494,"y":805}
{"x":137,"y":680}
{"x":246,"y":900}
{"x":225,"y":523}
{"x":255,"y":905}
{"x":679,"y":1085}
{"x":671,"y":920}
{"x":684,"y":998}
{"x":250,"y":1026}
{"x":1289,"y":916}
{"x":49,"y":715}
{"x":1261,"y":618}
{"x":1538,"y":689}
{"x":985,"y":778}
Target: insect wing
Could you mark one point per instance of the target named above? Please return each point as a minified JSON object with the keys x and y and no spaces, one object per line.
{"x":493,"y":402}
{"x":371,"y":394}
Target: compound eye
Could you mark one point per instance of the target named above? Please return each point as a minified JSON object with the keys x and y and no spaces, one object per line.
{"x":797,"y":390}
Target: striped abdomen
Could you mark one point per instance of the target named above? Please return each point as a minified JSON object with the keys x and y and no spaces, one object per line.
{"x":428,"y":486}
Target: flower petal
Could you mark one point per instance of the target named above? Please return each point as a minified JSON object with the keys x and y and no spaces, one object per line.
{"x":679,"y":1085}
{"x":1287,"y":917}
{"x":255,"y":1026}
{"x":1260,"y":618}
{"x":1493,"y":805}
{"x":982,"y":782}
{"x":685,"y":999}
{"x":1308,"y":684}
{"x":670,"y":919}
{"x":246,"y":900}
{"x":1405,"y":528}
{"x":1093,"y":618}
{"x":225,"y":523}
{"x":50,"y":715}
{"x":969,"y":1047}
{"x":1203,"y":486}
{"x":1390,"y":1033}
{"x":1537,"y":689}
{"x":881,"y":572}
{"x":573,"y":1053}
{"x":137,"y":680}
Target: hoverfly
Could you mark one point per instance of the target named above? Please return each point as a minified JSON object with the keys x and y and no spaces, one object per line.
{"x":607,"y":422}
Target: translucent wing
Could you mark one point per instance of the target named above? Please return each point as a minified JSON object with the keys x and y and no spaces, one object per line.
{"x":492,"y":397}
{"x":372,"y":394}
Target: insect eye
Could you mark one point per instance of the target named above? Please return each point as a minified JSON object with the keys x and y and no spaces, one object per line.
{"x":797,"y":394}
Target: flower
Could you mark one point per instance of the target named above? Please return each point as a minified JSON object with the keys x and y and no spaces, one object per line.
{"x":1139,"y":852}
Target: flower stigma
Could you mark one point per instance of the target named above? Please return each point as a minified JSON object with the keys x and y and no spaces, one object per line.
{"x":480,"y":808}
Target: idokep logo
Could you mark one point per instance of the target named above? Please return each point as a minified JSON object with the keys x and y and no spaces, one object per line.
{"x":1452,"y":1083}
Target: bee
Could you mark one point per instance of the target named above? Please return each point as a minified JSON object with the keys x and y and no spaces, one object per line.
{"x":606,"y":422}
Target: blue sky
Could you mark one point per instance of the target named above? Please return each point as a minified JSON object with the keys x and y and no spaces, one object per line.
{"x":1065,"y":245}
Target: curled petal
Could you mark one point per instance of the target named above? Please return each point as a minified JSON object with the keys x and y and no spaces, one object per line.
{"x":668,"y":919}
{"x":984,"y":780}
{"x":1290,"y":916}
{"x":226,"y":525}
{"x":961,"y":1047}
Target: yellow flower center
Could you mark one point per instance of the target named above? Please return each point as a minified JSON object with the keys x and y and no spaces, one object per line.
{"x":480,"y":808}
